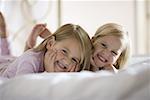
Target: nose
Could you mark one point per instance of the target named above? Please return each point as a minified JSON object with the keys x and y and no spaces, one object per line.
{"x":106,"y":53}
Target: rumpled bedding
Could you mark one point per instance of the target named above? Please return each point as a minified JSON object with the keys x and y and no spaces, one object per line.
{"x":130,"y":84}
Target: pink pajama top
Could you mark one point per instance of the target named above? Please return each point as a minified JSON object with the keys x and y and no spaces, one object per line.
{"x":28,"y":62}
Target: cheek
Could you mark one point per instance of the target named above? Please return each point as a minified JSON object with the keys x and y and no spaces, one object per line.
{"x":96,"y":50}
{"x":114,"y":59}
{"x":60,"y":54}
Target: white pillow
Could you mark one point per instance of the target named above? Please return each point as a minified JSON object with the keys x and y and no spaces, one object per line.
{"x":130,"y":84}
{"x":138,"y":59}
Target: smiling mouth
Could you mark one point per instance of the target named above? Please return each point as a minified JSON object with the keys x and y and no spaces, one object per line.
{"x":60,"y":66}
{"x":102,"y":59}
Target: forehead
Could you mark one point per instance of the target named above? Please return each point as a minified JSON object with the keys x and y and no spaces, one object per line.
{"x":114,"y":42}
{"x":72,"y":45}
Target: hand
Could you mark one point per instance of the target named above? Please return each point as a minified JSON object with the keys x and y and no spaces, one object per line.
{"x":37,"y":30}
{"x":110,"y":68}
{"x":74,"y":68}
{"x":107,"y":68}
{"x":49,"y":60}
{"x":94,"y":69}
{"x":45,"y":33}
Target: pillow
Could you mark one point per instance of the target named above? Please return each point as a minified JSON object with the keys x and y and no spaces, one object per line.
{"x":137,"y":59}
{"x":130,"y":84}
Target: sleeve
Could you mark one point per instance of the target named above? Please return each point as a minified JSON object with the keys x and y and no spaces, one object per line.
{"x":22,"y":66}
{"x":26,"y":67}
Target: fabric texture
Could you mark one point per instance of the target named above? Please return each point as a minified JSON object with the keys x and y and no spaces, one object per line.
{"x":130,"y":84}
{"x":29,"y":62}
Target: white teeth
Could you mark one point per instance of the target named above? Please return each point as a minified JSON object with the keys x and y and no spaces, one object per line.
{"x":101,"y":58}
{"x":60,"y":65}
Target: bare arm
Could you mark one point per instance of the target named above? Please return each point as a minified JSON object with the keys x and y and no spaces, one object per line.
{"x":38,"y":30}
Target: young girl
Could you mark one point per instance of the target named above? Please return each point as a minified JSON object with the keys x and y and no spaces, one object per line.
{"x":67,"y":50}
{"x":111,"y":48}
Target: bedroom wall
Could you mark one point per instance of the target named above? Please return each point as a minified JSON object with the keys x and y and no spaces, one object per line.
{"x":134,"y":15}
{"x":22,"y":15}
{"x":93,"y":14}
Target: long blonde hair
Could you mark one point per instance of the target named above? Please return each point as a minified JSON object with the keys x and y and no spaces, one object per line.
{"x":72,"y":31}
{"x":113,"y":29}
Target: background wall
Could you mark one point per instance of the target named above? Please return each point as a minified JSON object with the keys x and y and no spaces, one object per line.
{"x":22,"y":15}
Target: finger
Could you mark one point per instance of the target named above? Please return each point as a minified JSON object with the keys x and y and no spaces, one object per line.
{"x":109,"y":67}
{"x":52,"y":57}
{"x":94,"y":68}
{"x":77,"y":68}
{"x":72,"y":69}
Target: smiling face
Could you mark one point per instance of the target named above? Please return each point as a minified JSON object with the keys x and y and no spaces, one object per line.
{"x":107,"y":50}
{"x":62,"y":56}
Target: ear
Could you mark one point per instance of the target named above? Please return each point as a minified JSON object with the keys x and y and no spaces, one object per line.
{"x":50,"y":42}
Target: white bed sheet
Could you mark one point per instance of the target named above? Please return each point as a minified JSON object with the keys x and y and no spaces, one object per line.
{"x":130,"y":84}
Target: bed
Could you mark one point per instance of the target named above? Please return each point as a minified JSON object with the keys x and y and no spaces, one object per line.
{"x":130,"y":84}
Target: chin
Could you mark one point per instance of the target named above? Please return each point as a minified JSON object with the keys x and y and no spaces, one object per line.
{"x":99,"y":64}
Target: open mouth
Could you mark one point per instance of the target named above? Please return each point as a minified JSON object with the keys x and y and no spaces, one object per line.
{"x":101,"y":58}
{"x":99,"y":61}
{"x":60,"y":67}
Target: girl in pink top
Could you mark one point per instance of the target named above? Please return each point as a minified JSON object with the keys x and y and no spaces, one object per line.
{"x":67,"y":50}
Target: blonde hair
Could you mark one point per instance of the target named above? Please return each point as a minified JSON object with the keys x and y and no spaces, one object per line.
{"x":72,"y":31}
{"x":113,"y":29}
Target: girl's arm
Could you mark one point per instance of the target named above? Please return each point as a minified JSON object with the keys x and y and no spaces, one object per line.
{"x":29,"y":62}
{"x":38,"y":30}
